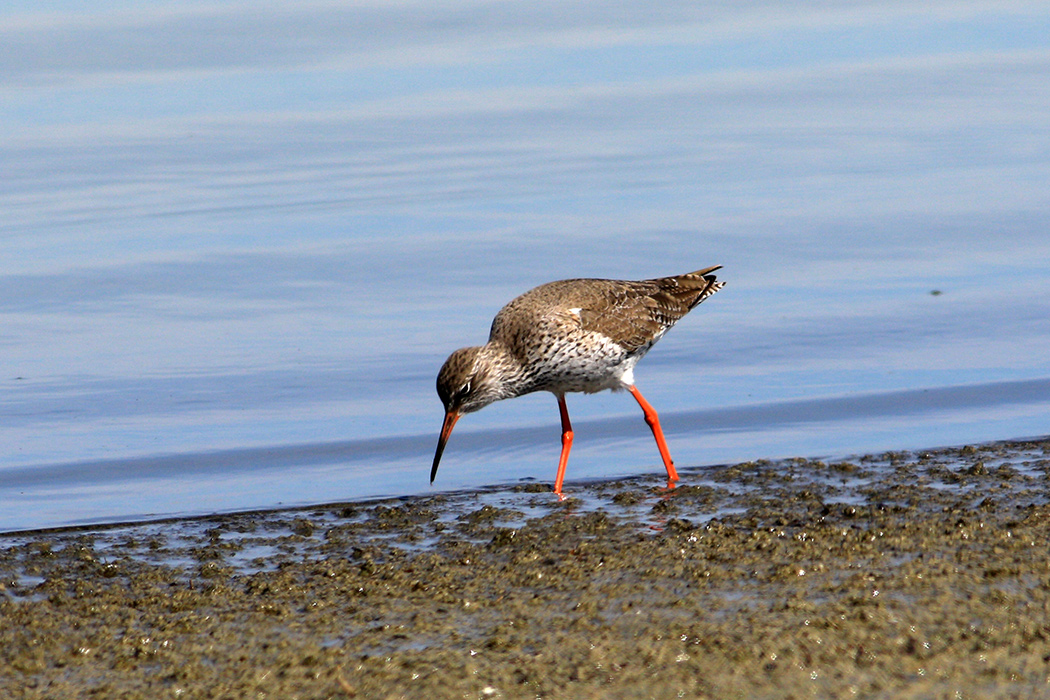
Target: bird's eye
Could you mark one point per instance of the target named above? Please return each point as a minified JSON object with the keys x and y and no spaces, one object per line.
{"x":465,"y":390}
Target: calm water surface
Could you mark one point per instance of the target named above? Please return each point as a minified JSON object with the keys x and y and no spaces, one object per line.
{"x":237,"y":241}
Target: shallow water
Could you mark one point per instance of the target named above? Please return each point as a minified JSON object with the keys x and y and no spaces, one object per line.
{"x":238,"y":243}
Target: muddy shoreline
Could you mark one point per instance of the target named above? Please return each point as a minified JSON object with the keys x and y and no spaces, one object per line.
{"x":898,"y":575}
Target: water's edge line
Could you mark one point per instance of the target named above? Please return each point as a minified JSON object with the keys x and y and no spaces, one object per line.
{"x":221,"y":515}
{"x":730,"y":419}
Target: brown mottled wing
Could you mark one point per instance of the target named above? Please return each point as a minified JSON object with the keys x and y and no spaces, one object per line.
{"x":635,"y":314}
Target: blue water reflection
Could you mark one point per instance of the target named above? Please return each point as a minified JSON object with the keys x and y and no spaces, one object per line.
{"x":239,"y":236}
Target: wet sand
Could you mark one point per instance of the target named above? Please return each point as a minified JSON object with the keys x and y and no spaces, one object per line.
{"x":899,"y":575}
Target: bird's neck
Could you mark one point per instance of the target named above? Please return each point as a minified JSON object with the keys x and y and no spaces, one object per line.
{"x":506,"y":371}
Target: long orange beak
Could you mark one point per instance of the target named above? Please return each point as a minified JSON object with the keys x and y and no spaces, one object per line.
{"x":446,"y":429}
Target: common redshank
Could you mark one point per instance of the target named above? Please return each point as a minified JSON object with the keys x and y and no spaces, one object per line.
{"x":574,"y":335}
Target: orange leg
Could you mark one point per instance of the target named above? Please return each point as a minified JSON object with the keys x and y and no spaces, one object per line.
{"x":654,"y":422}
{"x":566,"y":444}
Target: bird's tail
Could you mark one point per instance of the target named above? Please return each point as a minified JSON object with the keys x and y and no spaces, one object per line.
{"x":697,"y":286}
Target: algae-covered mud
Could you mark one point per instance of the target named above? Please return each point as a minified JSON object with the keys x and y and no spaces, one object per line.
{"x":900,"y":575}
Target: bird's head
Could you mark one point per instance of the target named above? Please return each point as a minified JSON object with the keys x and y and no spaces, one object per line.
{"x":466,"y":383}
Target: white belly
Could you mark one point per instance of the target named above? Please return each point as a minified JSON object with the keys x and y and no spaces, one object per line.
{"x":595,"y":365}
